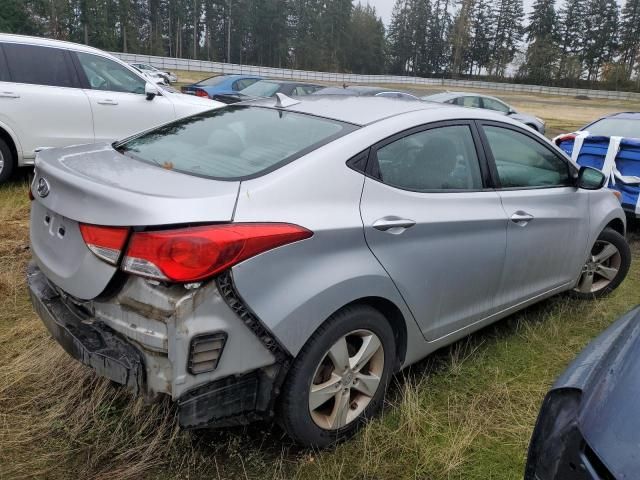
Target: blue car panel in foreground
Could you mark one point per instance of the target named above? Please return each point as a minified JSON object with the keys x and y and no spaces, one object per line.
{"x":588,"y":426}
{"x":220,"y":85}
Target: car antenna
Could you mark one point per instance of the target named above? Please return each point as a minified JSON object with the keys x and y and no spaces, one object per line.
{"x":282,"y":101}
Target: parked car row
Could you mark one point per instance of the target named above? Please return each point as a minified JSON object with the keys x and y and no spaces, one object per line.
{"x":160,"y":245}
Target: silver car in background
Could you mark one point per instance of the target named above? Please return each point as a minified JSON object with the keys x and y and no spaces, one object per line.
{"x":285,"y":257}
{"x":476,"y":100}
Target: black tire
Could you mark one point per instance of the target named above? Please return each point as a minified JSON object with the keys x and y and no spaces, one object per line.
{"x":9,"y":162}
{"x":614,"y":238}
{"x":293,"y":407}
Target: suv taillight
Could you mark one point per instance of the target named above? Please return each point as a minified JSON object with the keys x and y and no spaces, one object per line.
{"x":193,"y":254}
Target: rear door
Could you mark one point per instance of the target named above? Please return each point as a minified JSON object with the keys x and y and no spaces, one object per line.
{"x":548,"y":216}
{"x":118,"y":101}
{"x":40,"y":98}
{"x":434,"y":226}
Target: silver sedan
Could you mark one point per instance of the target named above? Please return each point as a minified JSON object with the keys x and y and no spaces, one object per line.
{"x":285,"y":257}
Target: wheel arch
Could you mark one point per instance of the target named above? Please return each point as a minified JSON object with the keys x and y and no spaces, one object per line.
{"x":618,"y":225}
{"x":11,"y":141}
{"x":394,"y":316}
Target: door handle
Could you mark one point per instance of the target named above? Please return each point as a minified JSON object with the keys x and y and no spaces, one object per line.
{"x":393,"y":224}
{"x":107,"y":101}
{"x":9,"y":95}
{"x":521,"y":218}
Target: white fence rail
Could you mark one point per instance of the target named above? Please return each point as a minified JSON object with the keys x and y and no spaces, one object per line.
{"x":167,"y":63}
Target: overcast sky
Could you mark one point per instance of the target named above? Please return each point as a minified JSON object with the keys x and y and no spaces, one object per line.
{"x":384,"y":7}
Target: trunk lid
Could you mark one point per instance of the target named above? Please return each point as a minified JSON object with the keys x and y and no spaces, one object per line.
{"x":97,"y":185}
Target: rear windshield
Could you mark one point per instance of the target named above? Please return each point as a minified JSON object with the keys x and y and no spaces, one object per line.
{"x":233,"y":142}
{"x":621,"y":127}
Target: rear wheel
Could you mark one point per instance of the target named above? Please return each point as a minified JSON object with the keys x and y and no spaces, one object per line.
{"x":7,"y":162}
{"x":339,"y":378}
{"x":606,"y":267}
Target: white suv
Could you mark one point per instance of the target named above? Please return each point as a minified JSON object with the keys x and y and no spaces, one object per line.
{"x":54,"y":94}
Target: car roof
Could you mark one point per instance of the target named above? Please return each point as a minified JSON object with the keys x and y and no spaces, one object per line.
{"x":358,"y":110}
{"x":624,"y":115}
{"x":359,"y":90}
{"x":288,"y":82}
{"x":45,"y":42}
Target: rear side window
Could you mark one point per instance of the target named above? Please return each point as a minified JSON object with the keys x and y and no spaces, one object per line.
{"x":473,"y":102}
{"x":234,"y":142}
{"x":491,"y":104}
{"x":244,"y":83}
{"x":39,"y":65}
{"x":441,"y":158}
{"x":523,"y":162}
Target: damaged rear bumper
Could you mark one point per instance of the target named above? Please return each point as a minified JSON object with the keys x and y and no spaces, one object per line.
{"x":214,"y":399}
{"x":93,"y":344}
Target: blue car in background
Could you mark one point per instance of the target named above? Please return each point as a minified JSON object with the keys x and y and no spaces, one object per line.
{"x":220,"y":85}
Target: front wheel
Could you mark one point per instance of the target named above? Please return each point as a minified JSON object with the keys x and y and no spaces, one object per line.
{"x":606,"y":267}
{"x":339,"y":379}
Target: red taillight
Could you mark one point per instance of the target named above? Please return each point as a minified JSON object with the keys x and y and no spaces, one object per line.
{"x":105,"y":242}
{"x":201,"y":93}
{"x":562,"y":138}
{"x":193,"y":254}
{"x":31,"y":197}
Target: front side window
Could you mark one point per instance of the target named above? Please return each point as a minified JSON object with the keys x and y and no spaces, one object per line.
{"x":105,"y":74}
{"x":233,"y":142}
{"x":523,"y":162}
{"x":442,"y":158}
{"x":39,"y":65}
{"x":491,"y":104}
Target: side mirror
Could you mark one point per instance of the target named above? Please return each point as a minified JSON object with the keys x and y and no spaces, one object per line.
{"x":151,"y":91}
{"x":591,"y":178}
{"x":511,"y":111}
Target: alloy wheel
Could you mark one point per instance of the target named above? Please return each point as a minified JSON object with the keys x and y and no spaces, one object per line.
{"x":1,"y":162}
{"x":346,"y":379}
{"x":600,"y":269}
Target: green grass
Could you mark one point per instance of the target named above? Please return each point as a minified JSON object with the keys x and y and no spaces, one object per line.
{"x":466,"y":412}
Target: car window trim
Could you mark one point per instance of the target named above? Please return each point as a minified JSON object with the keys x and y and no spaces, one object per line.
{"x":495,"y":178}
{"x":75,"y":81}
{"x":4,"y":65}
{"x":372,"y":170}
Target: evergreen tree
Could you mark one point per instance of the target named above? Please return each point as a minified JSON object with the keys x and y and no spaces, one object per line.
{"x":461,"y":37}
{"x":482,"y":31}
{"x":400,"y":37}
{"x":600,"y":35}
{"x":542,"y":53}
{"x":508,"y":30}
{"x":630,"y":35}
{"x":571,"y":31}
{"x":366,"y":53}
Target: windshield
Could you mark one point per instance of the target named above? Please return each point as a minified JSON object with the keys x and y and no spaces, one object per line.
{"x":211,"y":81}
{"x":621,"y":127}
{"x":234,"y":142}
{"x":261,"y":89}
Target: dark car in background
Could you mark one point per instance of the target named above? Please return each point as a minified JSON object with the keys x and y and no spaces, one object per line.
{"x":476,"y":100}
{"x":622,"y":124}
{"x":366,"y":91}
{"x":268,"y":88}
{"x":589,"y":423}
{"x":220,"y":85}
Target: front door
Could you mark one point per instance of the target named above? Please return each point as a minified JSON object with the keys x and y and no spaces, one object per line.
{"x":118,"y":101}
{"x":548,"y":216}
{"x":434,"y":227}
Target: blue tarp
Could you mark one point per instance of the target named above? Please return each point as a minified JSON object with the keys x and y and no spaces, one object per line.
{"x":627,"y":163}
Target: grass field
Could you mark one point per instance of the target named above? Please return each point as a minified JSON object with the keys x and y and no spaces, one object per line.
{"x":466,"y":412}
